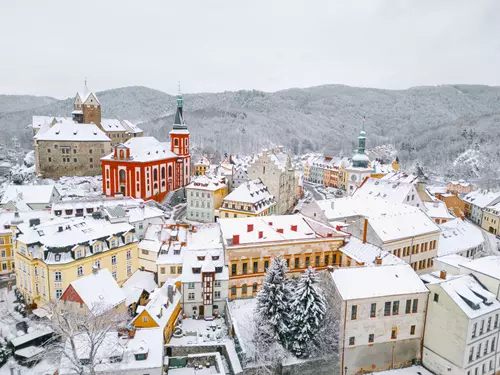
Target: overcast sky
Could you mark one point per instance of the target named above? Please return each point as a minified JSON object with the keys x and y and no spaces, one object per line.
{"x":49,"y":47}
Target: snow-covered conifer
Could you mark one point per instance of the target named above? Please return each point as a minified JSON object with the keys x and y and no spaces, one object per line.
{"x":274,"y":298}
{"x":309,"y":308}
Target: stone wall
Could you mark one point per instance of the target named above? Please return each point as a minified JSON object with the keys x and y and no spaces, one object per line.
{"x":83,"y":158}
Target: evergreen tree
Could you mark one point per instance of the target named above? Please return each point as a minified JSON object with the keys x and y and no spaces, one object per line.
{"x":309,"y":309}
{"x":273,"y":300}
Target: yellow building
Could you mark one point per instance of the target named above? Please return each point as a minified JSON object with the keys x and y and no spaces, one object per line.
{"x":491,"y":219}
{"x":51,"y":255}
{"x":251,"y":244}
{"x":201,"y":166}
{"x":9,"y":220}
{"x":162,"y":310}
{"x":251,"y":198}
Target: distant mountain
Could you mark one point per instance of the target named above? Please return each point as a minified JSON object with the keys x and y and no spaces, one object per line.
{"x":432,"y":125}
{"x":14,"y":103}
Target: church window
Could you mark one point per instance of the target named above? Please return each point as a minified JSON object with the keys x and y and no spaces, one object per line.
{"x":75,"y":160}
{"x":162,"y":172}
{"x":169,"y":171}
{"x":122,"y":174}
{"x":176,"y":142}
{"x":50,"y":159}
{"x":122,"y":154}
{"x":155,"y":174}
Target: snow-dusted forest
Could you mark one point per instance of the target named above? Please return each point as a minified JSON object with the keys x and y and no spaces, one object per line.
{"x":451,"y":130}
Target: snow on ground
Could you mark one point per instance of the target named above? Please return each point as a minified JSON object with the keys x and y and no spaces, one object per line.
{"x":201,"y":332}
{"x":87,"y":186}
{"x":42,"y":368}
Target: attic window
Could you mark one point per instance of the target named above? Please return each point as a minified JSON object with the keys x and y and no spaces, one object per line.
{"x":141,"y":357}
{"x":215,"y":257}
{"x":218,"y":269}
{"x":201,"y":257}
{"x":58,"y":257}
{"x":196,"y":269}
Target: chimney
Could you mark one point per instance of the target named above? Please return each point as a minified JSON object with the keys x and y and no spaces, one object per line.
{"x":279,"y":230}
{"x":442,"y":274}
{"x":332,"y":204}
{"x":249,"y":227}
{"x":95,"y":270}
{"x":293,"y":228}
{"x":270,"y":223}
{"x":378,"y":260}
{"x":329,"y":234}
{"x":261,"y":234}
{"x":236,"y":239}
{"x":365,"y":230}
{"x":170,"y":293}
{"x":60,"y":229}
{"x":330,"y":268}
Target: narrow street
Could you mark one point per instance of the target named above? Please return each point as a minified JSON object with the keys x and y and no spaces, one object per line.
{"x":312,"y":189}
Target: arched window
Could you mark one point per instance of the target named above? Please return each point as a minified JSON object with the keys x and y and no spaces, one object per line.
{"x":122,"y":174}
{"x":107,"y":173}
{"x":244,"y":289}
{"x":233,"y":290}
{"x":163,"y":173}
{"x":163,"y":183}
{"x":254,"y":288}
{"x":176,"y":142}
{"x":155,"y":174}
{"x":169,"y":171}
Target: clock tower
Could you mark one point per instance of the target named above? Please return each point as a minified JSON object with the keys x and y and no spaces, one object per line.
{"x":179,"y":145}
{"x":359,"y":170}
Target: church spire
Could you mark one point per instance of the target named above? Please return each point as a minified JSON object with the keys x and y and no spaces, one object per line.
{"x":360,"y":160}
{"x":179,"y":117}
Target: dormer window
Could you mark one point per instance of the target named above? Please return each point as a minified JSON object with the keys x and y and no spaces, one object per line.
{"x":113,"y":243}
{"x":201,"y":257}
{"x":196,"y":269}
{"x":215,"y":257}
{"x":58,"y":257}
{"x":97,"y":247}
{"x":218,"y":269}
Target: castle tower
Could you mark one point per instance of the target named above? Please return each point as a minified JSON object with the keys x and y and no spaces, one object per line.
{"x":86,"y":107}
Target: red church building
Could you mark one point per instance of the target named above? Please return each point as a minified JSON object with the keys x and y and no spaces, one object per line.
{"x":146,"y":168}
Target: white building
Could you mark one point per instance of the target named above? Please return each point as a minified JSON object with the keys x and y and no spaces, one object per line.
{"x":391,"y":191}
{"x":460,"y":237}
{"x":400,"y":229}
{"x":275,"y":169}
{"x":486,"y":270}
{"x":438,"y":211}
{"x":382,"y":317}
{"x":249,"y":199}
{"x":462,"y":328}
{"x":240,"y":176}
{"x":135,"y":354}
{"x":133,"y":210}
{"x":204,"y":197}
{"x":29,"y":197}
{"x":478,"y":200}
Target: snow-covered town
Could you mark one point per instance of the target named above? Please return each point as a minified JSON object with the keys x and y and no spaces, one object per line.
{"x":165,"y":260}
{"x":259,"y":188}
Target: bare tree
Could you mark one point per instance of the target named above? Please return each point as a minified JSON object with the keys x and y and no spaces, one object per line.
{"x":79,"y":338}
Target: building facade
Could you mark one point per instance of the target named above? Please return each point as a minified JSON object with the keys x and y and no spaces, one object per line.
{"x":382,"y":323}
{"x":491,"y":219}
{"x":204,"y":197}
{"x":249,"y":199}
{"x":52,"y":254}
{"x":146,"y":168}
{"x":201,"y":166}
{"x":275,"y":169}
{"x":358,"y":171}
{"x":462,"y":328}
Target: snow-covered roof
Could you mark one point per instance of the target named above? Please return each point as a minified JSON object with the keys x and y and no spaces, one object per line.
{"x":146,"y":340}
{"x":115,"y":125}
{"x":265,"y":229}
{"x":11,"y":218}
{"x":390,"y":221}
{"x":457,"y":236}
{"x":472,"y":298}
{"x":206,"y":183}
{"x":39,"y":121}
{"x":145,"y":149}
{"x":99,"y":291}
{"x":30,"y":194}
{"x":452,"y":260}
{"x":400,"y":177}
{"x":367,"y":253}
{"x":74,"y":132}
{"x":438,"y":210}
{"x":61,"y":233}
{"x":136,"y":284}
{"x":436,"y":277}
{"x":42,"y":331}
{"x":254,"y":193}
{"x":481,"y":198}
{"x":207,"y":261}
{"x":489,"y":266}
{"x":202,"y":160}
{"x":95,"y":203}
{"x":159,"y":307}
{"x":372,"y":282}
{"x":389,"y":190}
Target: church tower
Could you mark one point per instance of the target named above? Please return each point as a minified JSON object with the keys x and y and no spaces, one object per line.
{"x":179,"y":144}
{"x":361,"y":160}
